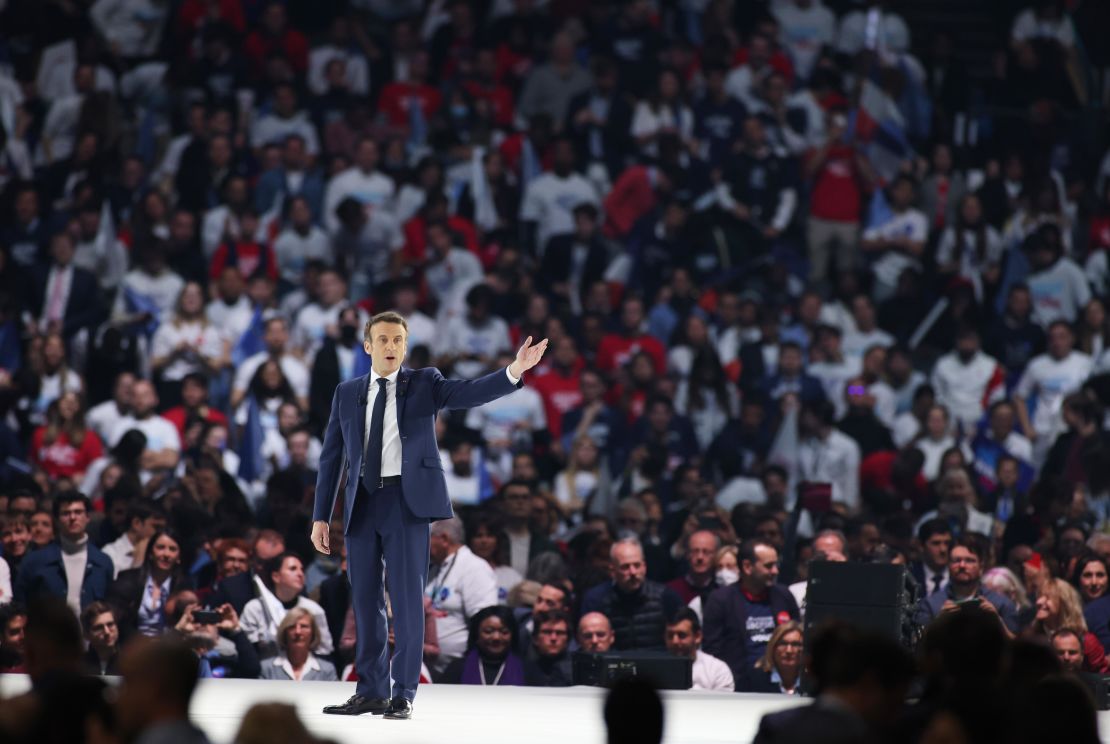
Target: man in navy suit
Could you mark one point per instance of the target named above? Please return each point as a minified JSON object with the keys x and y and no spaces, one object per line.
{"x":382,"y":427}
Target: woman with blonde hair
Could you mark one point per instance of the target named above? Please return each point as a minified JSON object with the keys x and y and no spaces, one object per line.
{"x":1059,"y":606}
{"x":297,"y":637}
{"x":578,"y":481}
{"x":780,"y":669}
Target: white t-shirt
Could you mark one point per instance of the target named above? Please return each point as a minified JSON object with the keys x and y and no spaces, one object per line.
{"x":448,"y":280}
{"x":422,"y":330}
{"x":103,"y":417}
{"x":1059,"y":292}
{"x":967,"y":389}
{"x":292,"y":250}
{"x":648,"y":121}
{"x":160,"y":433}
{"x":205,"y":342}
{"x":1052,"y":380}
{"x":486,"y":340}
{"x":233,"y":319}
{"x":461,"y":586}
{"x":273,"y":130}
{"x":517,"y":414}
{"x":856,"y":343}
{"x":1027,"y":26}
{"x":310,"y":328}
{"x":368,"y":188}
{"x":295,"y":371}
{"x":550,"y":200}
{"x":911,"y":224}
{"x":803,"y":32}
{"x":858,"y":31}
{"x":261,"y":623}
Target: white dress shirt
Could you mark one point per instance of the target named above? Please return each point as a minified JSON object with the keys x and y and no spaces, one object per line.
{"x":391,"y":434}
{"x":710,"y":673}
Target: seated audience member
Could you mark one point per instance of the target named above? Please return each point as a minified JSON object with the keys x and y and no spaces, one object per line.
{"x":1058,"y":607}
{"x":298,"y":637}
{"x":71,"y":568}
{"x":140,"y":594}
{"x":1069,"y":650}
{"x":144,"y":519}
{"x":965,"y":567}
{"x":740,"y":619}
{"x":15,"y":541}
{"x":699,"y":580}
{"x":861,"y":679}
{"x":98,"y":621}
{"x":781,"y":665}
{"x":279,"y":590}
{"x":636,"y":606}
{"x":223,"y":647}
{"x":489,"y":658}
{"x":13,"y":633}
{"x":549,"y":663}
{"x":595,"y":633}
{"x":683,"y":639}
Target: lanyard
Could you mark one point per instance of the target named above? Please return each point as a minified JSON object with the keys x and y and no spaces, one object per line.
{"x":442,"y":580}
{"x":482,"y":672}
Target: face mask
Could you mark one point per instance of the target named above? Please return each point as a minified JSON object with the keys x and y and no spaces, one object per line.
{"x":727,"y":576}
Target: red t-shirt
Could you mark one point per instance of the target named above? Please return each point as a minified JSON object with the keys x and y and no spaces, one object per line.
{"x":560,"y":393}
{"x":397,"y":98}
{"x":615,"y":351}
{"x":836,"y":189}
{"x":1100,"y":233}
{"x":292,"y":45}
{"x":416,"y":245}
{"x":177,"y":415}
{"x":249,"y":258}
{"x":61,"y":459}
{"x":500,"y":100}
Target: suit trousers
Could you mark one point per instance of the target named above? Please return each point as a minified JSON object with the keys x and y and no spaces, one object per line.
{"x":387,"y":545}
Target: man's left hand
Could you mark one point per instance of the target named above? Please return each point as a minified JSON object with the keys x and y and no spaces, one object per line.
{"x":527,"y":356}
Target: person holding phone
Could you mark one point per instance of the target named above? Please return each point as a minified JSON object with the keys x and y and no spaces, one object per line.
{"x":965,"y":589}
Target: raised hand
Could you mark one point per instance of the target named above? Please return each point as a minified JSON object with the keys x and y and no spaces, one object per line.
{"x":527,"y":356}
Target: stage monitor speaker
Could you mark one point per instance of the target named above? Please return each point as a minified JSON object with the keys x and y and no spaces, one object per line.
{"x":664,"y":671}
{"x":867,"y":595}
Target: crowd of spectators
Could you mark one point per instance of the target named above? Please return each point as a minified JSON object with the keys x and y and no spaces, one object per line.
{"x":772,"y":243}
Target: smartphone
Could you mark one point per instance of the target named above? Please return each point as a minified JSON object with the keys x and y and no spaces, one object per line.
{"x":206,"y":617}
{"x":815,"y":496}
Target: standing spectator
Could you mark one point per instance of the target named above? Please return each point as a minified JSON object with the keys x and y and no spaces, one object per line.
{"x":547,"y":209}
{"x":65,"y":296}
{"x":276,"y":38}
{"x":103,"y":417}
{"x":683,"y":639}
{"x":827,"y":455}
{"x":298,"y":636}
{"x":64,"y":447}
{"x":275,"y":337}
{"x":363,"y":181}
{"x":550,"y":88}
{"x":636,"y":606}
{"x":807,"y":28}
{"x":663,"y":113}
{"x":931,"y":572}
{"x":1051,"y":377}
{"x":459,"y":585}
{"x":967,"y":381}
{"x":740,"y":619}
{"x":73,"y":568}
{"x":284,"y":122}
{"x":897,"y":242}
{"x":971,"y":248}
{"x":618,"y":348}
{"x":1058,"y":286}
{"x":187,"y":343}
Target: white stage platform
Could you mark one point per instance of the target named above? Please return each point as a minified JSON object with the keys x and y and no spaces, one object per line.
{"x":459,"y":714}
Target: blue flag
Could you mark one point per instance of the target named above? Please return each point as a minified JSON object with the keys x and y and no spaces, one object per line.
{"x":418,"y":125}
{"x":139,"y":303}
{"x":250,"y":343}
{"x":251,"y":462}
{"x":11,"y":350}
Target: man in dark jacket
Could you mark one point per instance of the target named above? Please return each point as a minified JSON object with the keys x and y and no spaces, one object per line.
{"x":72,"y":568}
{"x":548,"y":663}
{"x":637,"y":608}
{"x":739,"y":618}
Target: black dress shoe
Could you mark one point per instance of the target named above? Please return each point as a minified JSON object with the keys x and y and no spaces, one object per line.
{"x":357,"y":705}
{"x":399,"y":709}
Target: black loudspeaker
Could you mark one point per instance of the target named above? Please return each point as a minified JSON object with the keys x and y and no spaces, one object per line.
{"x":868,"y":595}
{"x":664,"y":671}
{"x":1099,"y":685}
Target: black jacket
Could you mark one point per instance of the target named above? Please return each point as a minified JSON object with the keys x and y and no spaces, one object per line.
{"x":83,"y":307}
{"x":126,"y":595}
{"x":639,"y":620}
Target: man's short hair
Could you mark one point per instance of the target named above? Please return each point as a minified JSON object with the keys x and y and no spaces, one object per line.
{"x":389,"y":316}
{"x":976,"y":547}
{"x":685,"y":613}
{"x":551,"y":616}
{"x":516,"y":483}
{"x":10,"y":611}
{"x":1074,"y":633}
{"x":452,"y":528}
{"x":69,"y":497}
{"x":172,"y":667}
{"x":748,"y":548}
{"x":92,"y":612}
{"x":932,"y":527}
{"x":143,"y":509}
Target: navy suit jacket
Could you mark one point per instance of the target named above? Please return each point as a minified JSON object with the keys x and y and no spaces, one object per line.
{"x":42,"y":573}
{"x":421,"y":394}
